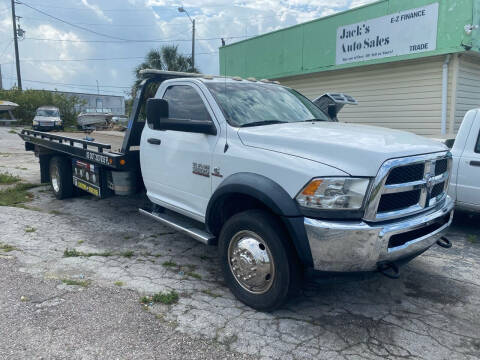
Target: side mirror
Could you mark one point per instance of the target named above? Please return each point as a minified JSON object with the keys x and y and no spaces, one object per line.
{"x":332,"y":111}
{"x":157,"y":109}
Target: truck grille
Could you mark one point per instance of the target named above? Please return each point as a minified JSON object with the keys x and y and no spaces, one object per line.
{"x":409,"y":185}
{"x":405,"y":174}
{"x":392,"y":202}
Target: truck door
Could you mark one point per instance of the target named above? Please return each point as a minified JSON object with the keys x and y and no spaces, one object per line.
{"x":176,"y":164}
{"x":468,"y":184}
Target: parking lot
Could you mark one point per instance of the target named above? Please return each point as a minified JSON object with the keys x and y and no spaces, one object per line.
{"x":114,"y":256}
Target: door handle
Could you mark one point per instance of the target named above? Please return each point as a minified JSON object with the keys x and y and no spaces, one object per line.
{"x":475,"y":163}
{"x":154,"y":141}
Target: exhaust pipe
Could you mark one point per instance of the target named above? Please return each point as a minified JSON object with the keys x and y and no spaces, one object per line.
{"x":389,"y":269}
{"x":444,"y":243}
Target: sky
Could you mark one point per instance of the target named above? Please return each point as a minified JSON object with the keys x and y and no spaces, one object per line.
{"x":55,"y":54}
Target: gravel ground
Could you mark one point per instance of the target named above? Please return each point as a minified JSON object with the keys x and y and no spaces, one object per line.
{"x":431,"y":312}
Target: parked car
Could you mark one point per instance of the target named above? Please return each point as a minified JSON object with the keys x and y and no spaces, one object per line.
{"x":465,"y":182}
{"x":47,"y":118}
{"x":257,"y":170}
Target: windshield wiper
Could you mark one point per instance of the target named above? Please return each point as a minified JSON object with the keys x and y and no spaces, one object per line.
{"x":312,"y":120}
{"x":264,"y":122}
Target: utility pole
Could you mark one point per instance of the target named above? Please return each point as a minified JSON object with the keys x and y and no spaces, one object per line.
{"x":98,"y":89}
{"x":1,"y":79}
{"x":193,"y":44}
{"x":15,"y":41}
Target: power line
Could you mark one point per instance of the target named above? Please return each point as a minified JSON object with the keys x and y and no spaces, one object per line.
{"x":74,"y":86}
{"x":84,"y":9}
{"x":79,"y":85}
{"x":100,"y":24}
{"x":96,"y":59}
{"x":139,"y":41}
{"x":71,"y":24}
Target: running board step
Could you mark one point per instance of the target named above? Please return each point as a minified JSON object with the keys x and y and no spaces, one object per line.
{"x":182,"y":224}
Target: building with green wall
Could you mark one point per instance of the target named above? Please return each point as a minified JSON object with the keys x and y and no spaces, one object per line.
{"x":411,"y":64}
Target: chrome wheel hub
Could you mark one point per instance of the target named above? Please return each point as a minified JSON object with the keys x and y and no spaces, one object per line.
{"x":55,"y":178}
{"x":251,"y":262}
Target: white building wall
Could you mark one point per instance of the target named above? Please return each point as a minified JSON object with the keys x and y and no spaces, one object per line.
{"x":404,"y":95}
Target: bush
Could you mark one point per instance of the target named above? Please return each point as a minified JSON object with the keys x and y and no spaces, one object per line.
{"x":30,"y":100}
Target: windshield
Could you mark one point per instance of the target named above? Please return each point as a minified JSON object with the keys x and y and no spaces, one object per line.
{"x":48,"y":113}
{"x":244,"y":104}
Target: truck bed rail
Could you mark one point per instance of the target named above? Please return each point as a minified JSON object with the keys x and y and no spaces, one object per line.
{"x":63,"y":139}
{"x":91,"y":151}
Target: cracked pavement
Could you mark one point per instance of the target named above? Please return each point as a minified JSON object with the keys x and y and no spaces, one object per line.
{"x":431,"y":312}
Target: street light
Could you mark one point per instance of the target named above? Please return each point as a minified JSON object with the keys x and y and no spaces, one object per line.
{"x":182,"y":9}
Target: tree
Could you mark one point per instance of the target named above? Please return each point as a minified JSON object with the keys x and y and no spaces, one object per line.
{"x":165,"y":58}
{"x":29,"y":100}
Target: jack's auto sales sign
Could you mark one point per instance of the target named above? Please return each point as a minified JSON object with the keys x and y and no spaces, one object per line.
{"x":406,"y":32}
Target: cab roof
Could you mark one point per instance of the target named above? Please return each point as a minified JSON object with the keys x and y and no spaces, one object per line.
{"x":163,"y":75}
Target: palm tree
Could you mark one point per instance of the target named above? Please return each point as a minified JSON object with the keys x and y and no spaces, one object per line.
{"x":165,"y":58}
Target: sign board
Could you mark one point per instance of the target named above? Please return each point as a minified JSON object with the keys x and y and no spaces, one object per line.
{"x":406,"y":32}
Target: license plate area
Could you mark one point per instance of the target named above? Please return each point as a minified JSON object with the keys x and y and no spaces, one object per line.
{"x":87,"y":177}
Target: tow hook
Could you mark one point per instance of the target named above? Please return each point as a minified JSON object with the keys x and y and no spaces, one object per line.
{"x":444,"y":242}
{"x":389,"y":269}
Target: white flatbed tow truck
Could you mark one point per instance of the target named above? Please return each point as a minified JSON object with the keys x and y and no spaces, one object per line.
{"x":259,"y":171}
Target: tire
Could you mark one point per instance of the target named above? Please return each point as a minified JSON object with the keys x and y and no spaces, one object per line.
{"x":245,"y":239}
{"x":61,"y":177}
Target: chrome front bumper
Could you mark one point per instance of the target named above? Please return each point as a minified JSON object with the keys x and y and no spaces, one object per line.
{"x":346,"y":246}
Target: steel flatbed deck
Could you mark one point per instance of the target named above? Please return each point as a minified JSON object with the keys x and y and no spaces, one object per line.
{"x":91,"y":151}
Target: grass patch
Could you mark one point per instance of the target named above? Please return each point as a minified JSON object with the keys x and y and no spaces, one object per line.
{"x":127,"y":237}
{"x":54,"y":212}
{"x":472,"y":238}
{"x":27,"y":207}
{"x":118,"y":283}
{"x":163,"y":298}
{"x":16,"y":195}
{"x":83,"y":283}
{"x":127,"y":254}
{"x":210,"y":293}
{"x":7,"y":247}
{"x":80,"y":242}
{"x":169,"y":264}
{"x":7,"y":178}
{"x":193,"y":275}
{"x":11,"y":131}
{"x":30,"y":229}
{"x":76,"y":253}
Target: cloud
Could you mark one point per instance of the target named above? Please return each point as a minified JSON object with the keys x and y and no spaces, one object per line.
{"x":357,"y":3}
{"x":96,"y":9}
{"x":234,"y":20}
{"x":66,"y":49}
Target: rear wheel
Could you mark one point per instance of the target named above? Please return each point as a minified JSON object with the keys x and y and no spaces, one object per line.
{"x":61,"y":177}
{"x":258,"y":262}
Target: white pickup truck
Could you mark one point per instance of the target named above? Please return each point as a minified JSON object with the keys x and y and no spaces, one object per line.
{"x":258,"y":170}
{"x":465,"y":183}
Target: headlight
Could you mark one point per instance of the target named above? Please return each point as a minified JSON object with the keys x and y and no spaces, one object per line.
{"x":334,"y":194}
{"x":35,"y":122}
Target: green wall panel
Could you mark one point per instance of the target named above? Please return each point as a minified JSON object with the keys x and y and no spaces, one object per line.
{"x":310,"y":47}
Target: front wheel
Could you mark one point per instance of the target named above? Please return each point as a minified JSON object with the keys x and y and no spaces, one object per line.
{"x":61,"y":177}
{"x":258,"y":261}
